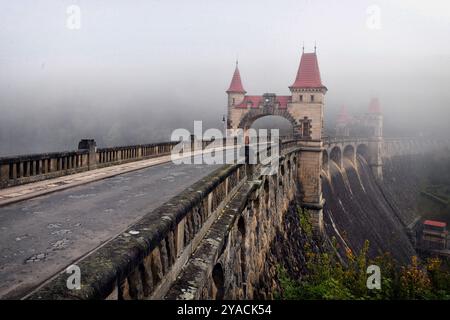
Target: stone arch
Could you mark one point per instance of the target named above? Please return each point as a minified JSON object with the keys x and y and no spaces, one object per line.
{"x":349,"y":153}
{"x":285,"y":126}
{"x":253,"y":115}
{"x":363,"y":151}
{"x":336,"y":156}
{"x":246,"y":121}
{"x":219,"y":282}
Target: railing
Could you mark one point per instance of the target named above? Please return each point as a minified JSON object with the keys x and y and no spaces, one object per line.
{"x":28,"y":168}
{"x":331,"y":140}
{"x":22,"y":169}
{"x":118,"y":155}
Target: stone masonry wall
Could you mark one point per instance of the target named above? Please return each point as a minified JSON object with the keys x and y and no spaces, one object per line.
{"x":234,"y":260}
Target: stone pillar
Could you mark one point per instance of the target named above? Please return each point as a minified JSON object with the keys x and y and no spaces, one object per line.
{"x":91,"y":146}
{"x":4,"y":174}
{"x":375,"y":123}
{"x":375,"y":157}
{"x":310,"y":166}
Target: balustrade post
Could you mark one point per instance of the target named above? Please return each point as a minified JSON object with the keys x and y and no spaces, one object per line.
{"x":91,"y":146}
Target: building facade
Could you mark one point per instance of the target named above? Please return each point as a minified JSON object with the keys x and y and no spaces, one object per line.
{"x":304,"y":108}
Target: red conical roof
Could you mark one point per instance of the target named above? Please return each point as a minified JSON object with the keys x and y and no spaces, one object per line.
{"x":308,"y":74}
{"x":374,"y":106}
{"x":236,"y":83}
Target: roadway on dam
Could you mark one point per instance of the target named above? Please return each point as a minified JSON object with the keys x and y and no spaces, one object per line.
{"x":41,"y":236}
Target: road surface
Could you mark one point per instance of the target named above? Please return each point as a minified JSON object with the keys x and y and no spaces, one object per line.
{"x":41,"y":236}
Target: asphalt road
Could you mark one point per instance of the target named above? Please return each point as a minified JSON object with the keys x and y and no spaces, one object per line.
{"x":43,"y":235}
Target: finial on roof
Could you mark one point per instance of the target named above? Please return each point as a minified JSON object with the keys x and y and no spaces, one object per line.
{"x":315,"y":47}
{"x":303,"y":47}
{"x":236,"y":83}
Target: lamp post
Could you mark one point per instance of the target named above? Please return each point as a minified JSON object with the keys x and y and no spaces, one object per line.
{"x":224,"y":120}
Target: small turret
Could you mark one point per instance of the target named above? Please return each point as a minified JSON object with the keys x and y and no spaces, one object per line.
{"x":342,"y":122}
{"x":375,"y":118}
{"x":236,"y":90}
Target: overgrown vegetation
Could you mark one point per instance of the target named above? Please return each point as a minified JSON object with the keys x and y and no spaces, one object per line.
{"x":434,"y":202}
{"x":328,"y":278}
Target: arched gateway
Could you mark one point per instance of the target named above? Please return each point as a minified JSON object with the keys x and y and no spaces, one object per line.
{"x":303,"y":108}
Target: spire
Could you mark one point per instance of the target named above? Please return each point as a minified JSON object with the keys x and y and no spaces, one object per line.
{"x":308,"y":74}
{"x":374,"y":106}
{"x":236,"y":83}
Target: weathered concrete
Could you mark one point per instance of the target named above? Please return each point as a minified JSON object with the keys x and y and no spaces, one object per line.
{"x":65,"y":225}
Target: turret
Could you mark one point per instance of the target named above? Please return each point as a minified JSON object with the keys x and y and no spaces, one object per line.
{"x":342,"y":123}
{"x":308,"y":94}
{"x":375,"y":118}
{"x":236,"y":90}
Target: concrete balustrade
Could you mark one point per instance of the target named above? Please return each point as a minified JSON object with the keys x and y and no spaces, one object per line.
{"x":22,"y":169}
{"x":19,"y":170}
{"x":117,"y":155}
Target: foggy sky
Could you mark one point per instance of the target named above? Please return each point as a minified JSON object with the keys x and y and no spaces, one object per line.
{"x":138,"y":69}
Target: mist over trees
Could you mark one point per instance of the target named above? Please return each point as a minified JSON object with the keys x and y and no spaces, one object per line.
{"x":129,"y":75}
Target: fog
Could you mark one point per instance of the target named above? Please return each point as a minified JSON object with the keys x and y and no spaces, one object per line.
{"x":136,"y":70}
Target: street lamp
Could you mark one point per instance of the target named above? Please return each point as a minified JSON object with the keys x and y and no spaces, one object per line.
{"x":224,"y":120}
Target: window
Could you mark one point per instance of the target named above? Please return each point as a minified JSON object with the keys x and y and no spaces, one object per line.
{"x":306,"y":129}
{"x":301,"y":98}
{"x":233,"y":101}
{"x":312,"y":98}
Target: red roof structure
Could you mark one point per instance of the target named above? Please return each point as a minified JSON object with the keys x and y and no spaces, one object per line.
{"x":308,"y":74}
{"x":374,"y":106}
{"x":435,"y":223}
{"x":236,"y":83}
{"x":255,"y":101}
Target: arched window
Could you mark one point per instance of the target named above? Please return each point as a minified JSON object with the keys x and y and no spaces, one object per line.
{"x":219,"y":281}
